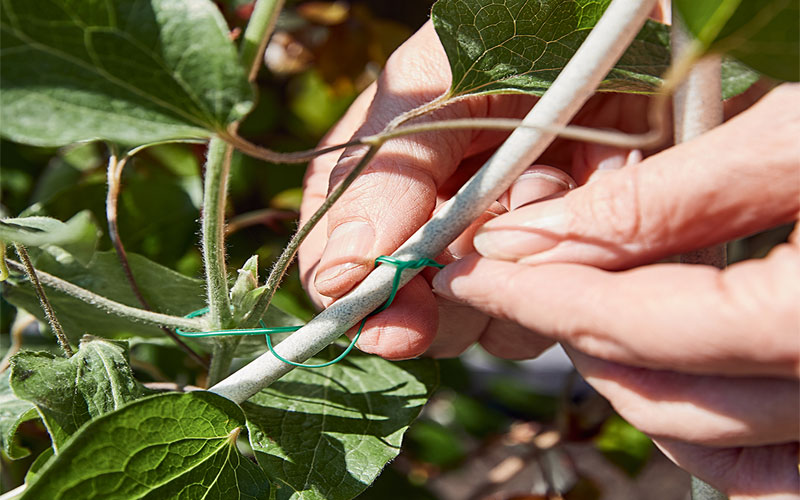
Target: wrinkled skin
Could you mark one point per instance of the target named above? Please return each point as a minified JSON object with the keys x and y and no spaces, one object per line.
{"x":704,"y":361}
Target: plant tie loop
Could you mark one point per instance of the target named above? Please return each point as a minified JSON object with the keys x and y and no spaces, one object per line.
{"x":400,"y":265}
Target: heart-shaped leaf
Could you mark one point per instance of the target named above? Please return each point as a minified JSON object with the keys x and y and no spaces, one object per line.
{"x":520,"y":46}
{"x":169,"y":445}
{"x":327,"y":433}
{"x":128,"y":71}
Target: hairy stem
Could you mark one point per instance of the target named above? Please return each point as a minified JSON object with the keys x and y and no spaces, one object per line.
{"x":268,"y":155}
{"x":574,"y":85}
{"x":287,"y":256}
{"x":114,"y":177}
{"x":112,"y":306}
{"x":257,"y":33}
{"x":63,"y":341}
{"x":213,"y":233}
{"x":221,"y":358}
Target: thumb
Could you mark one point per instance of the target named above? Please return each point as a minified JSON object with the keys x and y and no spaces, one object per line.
{"x":735,"y":180}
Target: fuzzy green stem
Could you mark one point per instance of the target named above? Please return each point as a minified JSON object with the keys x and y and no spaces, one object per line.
{"x":221,"y":357}
{"x":111,"y":306}
{"x":287,"y":256}
{"x":213,"y":229}
{"x":257,"y":33}
{"x":63,"y":341}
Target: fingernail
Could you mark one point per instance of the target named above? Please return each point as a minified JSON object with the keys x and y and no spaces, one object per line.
{"x":527,"y":231}
{"x":441,"y":285}
{"x":534,"y":186}
{"x":345,"y":258}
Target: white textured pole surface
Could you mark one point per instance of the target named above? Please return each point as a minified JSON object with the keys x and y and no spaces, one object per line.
{"x":697,"y":106}
{"x":574,"y":85}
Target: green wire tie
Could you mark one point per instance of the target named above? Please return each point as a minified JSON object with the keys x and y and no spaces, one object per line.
{"x":401,"y":266}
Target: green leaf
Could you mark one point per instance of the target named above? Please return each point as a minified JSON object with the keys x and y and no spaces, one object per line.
{"x":165,"y":290}
{"x":520,"y":46}
{"x":764,"y":34}
{"x":327,"y":433}
{"x":513,"y":46}
{"x":13,"y":412}
{"x":735,"y":77}
{"x":39,"y":231}
{"x":37,"y":464}
{"x":70,"y":392}
{"x":624,"y":445}
{"x":169,"y":445}
{"x":128,"y":71}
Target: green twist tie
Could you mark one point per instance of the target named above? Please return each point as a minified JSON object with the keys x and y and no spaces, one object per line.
{"x":401,"y":266}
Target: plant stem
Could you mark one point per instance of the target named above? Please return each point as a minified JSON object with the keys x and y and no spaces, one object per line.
{"x":651,"y":138}
{"x":574,"y":85}
{"x":63,"y":341}
{"x":21,"y":322}
{"x":221,"y":358}
{"x":268,"y":155}
{"x":114,"y":177}
{"x":111,"y":306}
{"x":287,"y":256}
{"x":703,"y":491}
{"x":697,"y":108}
{"x":257,"y":33}
{"x":213,"y":233}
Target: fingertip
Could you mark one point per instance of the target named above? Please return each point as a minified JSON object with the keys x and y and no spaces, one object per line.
{"x":344,"y":261}
{"x":407,"y":328}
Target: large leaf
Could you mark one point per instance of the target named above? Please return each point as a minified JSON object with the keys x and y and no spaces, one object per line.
{"x":13,"y":412}
{"x":764,"y":34}
{"x":502,"y":46}
{"x":327,"y":433}
{"x":166,"y":290}
{"x":70,"y":392}
{"x":522,"y":45}
{"x":165,"y":446}
{"x":38,"y":231}
{"x":128,"y":71}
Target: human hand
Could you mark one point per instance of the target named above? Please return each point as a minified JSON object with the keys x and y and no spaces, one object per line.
{"x":408,"y":179}
{"x":703,"y":360}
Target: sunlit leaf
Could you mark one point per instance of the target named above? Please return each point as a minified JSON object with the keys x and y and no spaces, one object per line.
{"x":170,"y":445}
{"x":70,"y":392}
{"x":327,"y":433}
{"x":128,"y":71}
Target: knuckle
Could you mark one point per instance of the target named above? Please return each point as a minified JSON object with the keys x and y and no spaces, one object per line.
{"x":613,"y":207}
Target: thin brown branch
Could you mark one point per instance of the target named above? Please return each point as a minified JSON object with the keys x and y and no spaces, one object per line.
{"x":115,"y":167}
{"x":63,"y":341}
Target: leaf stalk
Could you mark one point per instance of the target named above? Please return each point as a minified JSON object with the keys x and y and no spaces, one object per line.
{"x":27,"y":265}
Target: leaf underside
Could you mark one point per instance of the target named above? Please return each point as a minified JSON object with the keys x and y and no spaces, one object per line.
{"x":38,"y":231}
{"x":327,"y":433}
{"x":13,"y":412}
{"x":70,"y":392}
{"x":764,"y":34}
{"x":128,"y":71}
{"x":165,"y":446}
